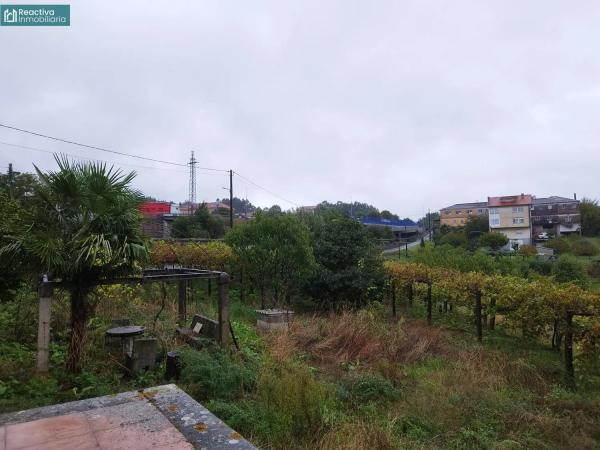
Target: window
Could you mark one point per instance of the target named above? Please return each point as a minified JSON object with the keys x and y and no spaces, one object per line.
{"x":494,"y":222}
{"x":469,"y":211}
{"x":517,"y":209}
{"x":493,"y":210}
{"x":518,"y":220}
{"x":549,"y":206}
{"x":458,"y":211}
{"x":480,"y":211}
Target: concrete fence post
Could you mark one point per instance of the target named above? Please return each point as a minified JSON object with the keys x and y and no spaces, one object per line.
{"x":223,"y":317}
{"x":43,"y":341}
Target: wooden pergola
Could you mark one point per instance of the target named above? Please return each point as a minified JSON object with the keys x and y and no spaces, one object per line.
{"x":179,"y":275}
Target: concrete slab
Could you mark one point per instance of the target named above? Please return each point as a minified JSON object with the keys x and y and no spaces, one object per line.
{"x":163,"y":417}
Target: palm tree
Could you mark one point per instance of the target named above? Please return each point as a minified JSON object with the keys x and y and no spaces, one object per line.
{"x":84,"y":227}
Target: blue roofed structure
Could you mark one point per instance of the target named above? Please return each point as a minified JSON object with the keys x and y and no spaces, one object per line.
{"x":401,"y":228}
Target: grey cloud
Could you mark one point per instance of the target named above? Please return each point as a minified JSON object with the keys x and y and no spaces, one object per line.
{"x":408,"y":105}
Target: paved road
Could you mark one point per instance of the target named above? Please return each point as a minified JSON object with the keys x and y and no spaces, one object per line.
{"x":402,"y":247}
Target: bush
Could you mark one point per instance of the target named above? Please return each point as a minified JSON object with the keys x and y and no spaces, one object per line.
{"x":559,"y":245}
{"x":215,"y":374}
{"x":293,"y":401}
{"x":541,"y":266}
{"x":584,"y":247}
{"x":275,"y":253}
{"x":493,"y":240}
{"x":202,"y":224}
{"x":569,"y":269}
{"x":244,"y":416}
{"x":366,"y":388}
{"x":594,"y":269}
{"x":350,"y":267}
{"x":590,"y":217}
{"x":527,"y":250}
{"x":454,"y":238}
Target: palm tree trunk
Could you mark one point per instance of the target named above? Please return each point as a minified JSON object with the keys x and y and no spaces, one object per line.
{"x":79,"y":316}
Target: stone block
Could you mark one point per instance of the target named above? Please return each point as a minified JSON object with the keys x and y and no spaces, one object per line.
{"x":273,"y":319}
{"x":209,"y":328}
{"x":143,"y":355}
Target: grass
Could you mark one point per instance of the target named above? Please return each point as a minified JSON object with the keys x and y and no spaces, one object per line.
{"x":350,"y":380}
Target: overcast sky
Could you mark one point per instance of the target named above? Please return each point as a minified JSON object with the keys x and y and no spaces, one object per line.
{"x":407,"y":105}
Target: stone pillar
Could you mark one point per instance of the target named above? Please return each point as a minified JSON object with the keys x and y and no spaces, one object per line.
{"x":43,"y":343}
{"x":223,"y":318}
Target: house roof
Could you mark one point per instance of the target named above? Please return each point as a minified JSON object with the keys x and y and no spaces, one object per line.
{"x":553,"y":199}
{"x":215,"y":205}
{"x":510,"y":200}
{"x":467,"y":205}
{"x":388,"y":222}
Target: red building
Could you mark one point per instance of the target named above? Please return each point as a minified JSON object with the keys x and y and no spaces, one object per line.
{"x":155,"y":208}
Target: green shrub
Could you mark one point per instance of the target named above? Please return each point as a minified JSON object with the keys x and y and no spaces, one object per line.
{"x":245,"y":416}
{"x":216,"y":374}
{"x":294,"y":403}
{"x":594,"y":269}
{"x":541,"y":266}
{"x":559,"y":245}
{"x":454,"y":238}
{"x":350,"y":266}
{"x":493,"y":240}
{"x":365,"y":388}
{"x":527,"y":250}
{"x":569,"y":269}
{"x":584,"y":247}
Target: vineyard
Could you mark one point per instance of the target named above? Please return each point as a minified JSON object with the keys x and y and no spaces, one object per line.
{"x":213,"y":255}
{"x":563,"y":315}
{"x":540,"y":309}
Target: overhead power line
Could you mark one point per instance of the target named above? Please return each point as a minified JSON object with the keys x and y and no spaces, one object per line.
{"x":87,"y":158}
{"x":265,"y":189}
{"x":93,"y":147}
{"x":108,"y":161}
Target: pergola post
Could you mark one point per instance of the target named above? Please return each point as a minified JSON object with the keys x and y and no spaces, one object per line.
{"x":569,"y":368}
{"x":181,"y":304}
{"x":223,"y":316}
{"x":43,"y":342}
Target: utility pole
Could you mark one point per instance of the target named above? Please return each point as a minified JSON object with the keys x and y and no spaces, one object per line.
{"x":192,"y":196}
{"x":230,"y":198}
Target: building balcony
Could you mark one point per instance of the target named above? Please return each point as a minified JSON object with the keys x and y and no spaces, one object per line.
{"x":556,"y":219}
